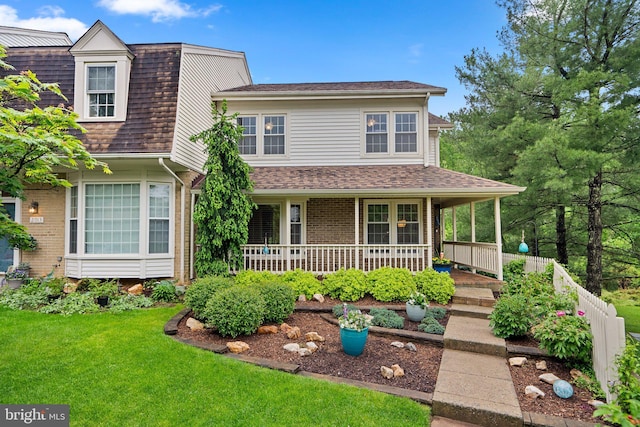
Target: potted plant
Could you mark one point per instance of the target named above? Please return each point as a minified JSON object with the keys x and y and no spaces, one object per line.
{"x":441,"y":264}
{"x":354,"y":330}
{"x":15,"y":278}
{"x":417,"y":306}
{"x":102,"y":290}
{"x":24,"y":267}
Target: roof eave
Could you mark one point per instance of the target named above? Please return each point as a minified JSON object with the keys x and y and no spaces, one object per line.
{"x":329,"y":94}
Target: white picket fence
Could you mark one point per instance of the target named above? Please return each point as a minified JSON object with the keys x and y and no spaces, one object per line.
{"x":607,"y":328}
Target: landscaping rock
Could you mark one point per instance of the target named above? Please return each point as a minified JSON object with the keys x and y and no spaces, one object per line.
{"x":541,"y":365}
{"x":533,"y":392}
{"x":411,"y":346}
{"x":136,"y":289}
{"x":397,"y":371}
{"x":292,"y":347}
{"x":304,"y":352}
{"x":69,"y":288}
{"x":386,"y":372}
{"x":313,"y":336}
{"x":312,"y":346}
{"x":563,"y":389}
{"x":302,"y":298}
{"x":237,"y":346}
{"x":595,"y":403}
{"x":268,"y":329}
{"x":548,"y":378}
{"x":576,"y":373}
{"x":285,"y":327}
{"x":194,"y":324}
{"x":294,"y":333}
{"x":318,"y":297}
{"x":397,"y":344}
{"x":517,"y":361}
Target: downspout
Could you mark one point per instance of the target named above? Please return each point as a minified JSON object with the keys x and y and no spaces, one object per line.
{"x":425,"y":144}
{"x":182,"y":209}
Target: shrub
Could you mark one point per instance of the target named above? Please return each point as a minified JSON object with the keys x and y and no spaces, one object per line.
{"x":165,"y":291}
{"x":345,"y":285}
{"x":386,"y":318}
{"x":530,"y":284}
{"x":201,"y":291}
{"x":302,"y":282}
{"x":24,"y":299}
{"x":513,"y":270}
{"x":436,"y":312}
{"x":430,"y":325}
{"x":435,"y":286}
{"x":391,"y":284}
{"x":338,"y":309}
{"x":280,"y":301}
{"x":545,"y":304}
{"x":565,"y":337}
{"x":511,"y":316}
{"x":121,"y":303}
{"x":252,"y":277}
{"x":102,"y":288}
{"x":74,"y":303}
{"x":235,"y":311}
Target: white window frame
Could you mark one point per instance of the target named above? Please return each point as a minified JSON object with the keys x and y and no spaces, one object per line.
{"x":89,"y":92}
{"x":121,"y":91}
{"x":391,"y":133}
{"x":18,"y":220}
{"x":158,"y":218}
{"x":261,"y":133}
{"x":393,"y":218}
{"x":254,"y":135}
{"x":143,"y":239}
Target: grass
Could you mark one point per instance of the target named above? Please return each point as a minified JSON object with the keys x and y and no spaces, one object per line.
{"x":120,"y":369}
{"x":631,"y":316}
{"x":627,"y":303}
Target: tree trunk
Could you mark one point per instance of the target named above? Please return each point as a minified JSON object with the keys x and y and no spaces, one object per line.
{"x":561,"y":236}
{"x":594,"y":228}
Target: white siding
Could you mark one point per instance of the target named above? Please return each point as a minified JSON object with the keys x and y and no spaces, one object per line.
{"x":202,"y":73}
{"x":120,"y":268}
{"x":434,"y":141}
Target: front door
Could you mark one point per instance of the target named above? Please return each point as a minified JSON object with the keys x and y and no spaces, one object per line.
{"x":7,"y":253}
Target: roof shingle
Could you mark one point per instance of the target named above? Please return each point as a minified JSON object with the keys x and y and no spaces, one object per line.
{"x":337,"y":86}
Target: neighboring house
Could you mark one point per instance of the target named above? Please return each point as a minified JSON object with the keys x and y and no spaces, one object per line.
{"x":346,"y":174}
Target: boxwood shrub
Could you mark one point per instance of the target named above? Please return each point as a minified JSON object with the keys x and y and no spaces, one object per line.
{"x":438,"y":287}
{"x":345,"y":285}
{"x":201,"y":291}
{"x":238,"y":310}
{"x":391,"y":284}
{"x":280,"y":301}
{"x":302,"y":282}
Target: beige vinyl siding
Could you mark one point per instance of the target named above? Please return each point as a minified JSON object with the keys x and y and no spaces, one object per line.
{"x":203,"y":71}
{"x":432,"y":152}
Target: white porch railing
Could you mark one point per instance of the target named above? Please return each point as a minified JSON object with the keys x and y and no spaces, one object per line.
{"x":324,"y":259}
{"x":607,"y":328}
{"x":480,"y":256}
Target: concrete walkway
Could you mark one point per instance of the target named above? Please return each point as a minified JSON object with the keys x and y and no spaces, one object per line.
{"x":474,"y":382}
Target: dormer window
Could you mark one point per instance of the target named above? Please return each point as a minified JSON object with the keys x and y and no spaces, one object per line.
{"x":101,"y":87}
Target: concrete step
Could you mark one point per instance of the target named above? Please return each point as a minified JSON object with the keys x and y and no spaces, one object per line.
{"x":466,"y":310}
{"x":473,"y":335}
{"x":476,"y":388}
{"x":448,"y":422}
{"x":474,"y":296}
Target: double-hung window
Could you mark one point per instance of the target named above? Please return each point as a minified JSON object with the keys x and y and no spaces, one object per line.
{"x":274,"y":132}
{"x":393,"y":222}
{"x":73,"y":221}
{"x":376,"y":133}
{"x":406,"y":136}
{"x":101,"y":88}
{"x":159,"y":204}
{"x":296,"y":224}
{"x":247,"y":145}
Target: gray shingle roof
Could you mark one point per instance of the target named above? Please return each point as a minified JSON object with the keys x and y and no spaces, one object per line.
{"x":337,"y":86}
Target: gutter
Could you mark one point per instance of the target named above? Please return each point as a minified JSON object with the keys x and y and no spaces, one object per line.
{"x":182,"y":210}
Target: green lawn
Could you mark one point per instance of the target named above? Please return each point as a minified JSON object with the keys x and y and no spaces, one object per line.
{"x":120,"y":369}
{"x":631,"y":316}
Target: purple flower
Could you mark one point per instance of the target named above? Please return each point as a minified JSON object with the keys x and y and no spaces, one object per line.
{"x":344,"y":309}
{"x":560,"y":313}
{"x":580,"y":313}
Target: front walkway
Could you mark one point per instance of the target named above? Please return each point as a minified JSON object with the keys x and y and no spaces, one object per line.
{"x":467,"y":278}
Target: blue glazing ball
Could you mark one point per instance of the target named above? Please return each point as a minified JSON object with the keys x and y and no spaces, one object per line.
{"x":562,"y":389}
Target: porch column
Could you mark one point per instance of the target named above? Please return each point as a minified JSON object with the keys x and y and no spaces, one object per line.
{"x":357,"y":230}
{"x":496,"y":208}
{"x":287,"y":231}
{"x":429,"y":232}
{"x":454,"y":227}
{"x":472,"y":209}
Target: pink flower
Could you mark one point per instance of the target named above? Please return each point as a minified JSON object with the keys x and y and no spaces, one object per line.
{"x":560,"y":313}
{"x":580,"y":313}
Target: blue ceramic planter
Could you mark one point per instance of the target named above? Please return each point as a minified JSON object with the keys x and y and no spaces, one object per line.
{"x":442,"y":268}
{"x":353,"y":341}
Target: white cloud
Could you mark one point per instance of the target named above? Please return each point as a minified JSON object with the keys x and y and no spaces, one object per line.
{"x":49,"y":18}
{"x":415,"y":50}
{"x":159,"y":10}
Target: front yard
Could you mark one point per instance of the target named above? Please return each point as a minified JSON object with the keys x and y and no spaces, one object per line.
{"x":120,"y":369}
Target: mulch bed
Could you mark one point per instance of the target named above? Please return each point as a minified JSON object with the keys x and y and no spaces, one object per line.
{"x":421,"y":367}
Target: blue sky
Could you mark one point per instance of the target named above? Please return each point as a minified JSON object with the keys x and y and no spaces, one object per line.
{"x":288,"y":41}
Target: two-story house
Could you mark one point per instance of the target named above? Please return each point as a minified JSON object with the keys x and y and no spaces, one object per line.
{"x":346,"y":174}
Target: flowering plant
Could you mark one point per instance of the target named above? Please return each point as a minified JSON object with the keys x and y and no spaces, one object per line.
{"x":565,"y":336}
{"x":417,"y":298}
{"x":353,"y":319}
{"x":441,"y":260}
{"x":16,"y":274}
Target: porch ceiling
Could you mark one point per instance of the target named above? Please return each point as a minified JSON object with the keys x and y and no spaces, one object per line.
{"x":448,"y":188}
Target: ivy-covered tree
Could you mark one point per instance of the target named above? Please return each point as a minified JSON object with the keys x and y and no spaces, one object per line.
{"x":34,"y":142}
{"x":224,"y":207}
